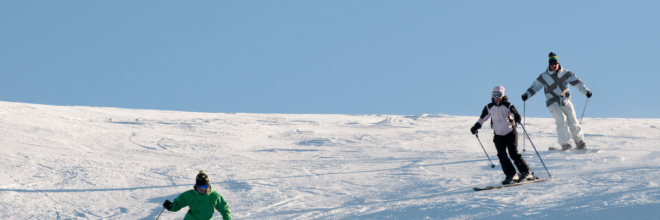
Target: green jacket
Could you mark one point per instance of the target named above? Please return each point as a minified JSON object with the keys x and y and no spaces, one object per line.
{"x":201,"y":206}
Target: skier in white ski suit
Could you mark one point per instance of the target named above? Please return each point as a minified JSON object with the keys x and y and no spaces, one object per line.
{"x":555,"y":82}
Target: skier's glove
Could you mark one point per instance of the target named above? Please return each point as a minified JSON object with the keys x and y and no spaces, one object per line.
{"x":475,"y":128}
{"x":167,"y":205}
{"x":524,"y":97}
{"x":517,"y":119}
{"x":589,"y":94}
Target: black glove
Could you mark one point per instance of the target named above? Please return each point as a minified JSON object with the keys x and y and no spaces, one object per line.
{"x":475,"y":128}
{"x":167,"y":205}
{"x":524,"y":96}
{"x":517,"y":119}
{"x":589,"y":94}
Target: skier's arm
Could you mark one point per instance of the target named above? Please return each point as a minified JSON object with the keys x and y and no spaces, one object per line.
{"x":180,"y":202}
{"x":536,"y":86}
{"x":485,"y":115}
{"x":222,"y":207}
{"x":577,"y":83}
{"x":514,"y":112}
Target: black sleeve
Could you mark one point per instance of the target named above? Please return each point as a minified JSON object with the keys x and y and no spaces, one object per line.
{"x":484,"y":112}
{"x":516,"y":115}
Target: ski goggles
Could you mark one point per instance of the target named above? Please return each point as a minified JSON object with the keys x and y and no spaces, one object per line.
{"x":203,"y":187}
{"x":497,"y":94}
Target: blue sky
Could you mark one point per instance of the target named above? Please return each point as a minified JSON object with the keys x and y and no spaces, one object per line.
{"x":327,"y":57}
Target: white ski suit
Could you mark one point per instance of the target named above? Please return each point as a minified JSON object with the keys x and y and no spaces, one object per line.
{"x":558,"y":101}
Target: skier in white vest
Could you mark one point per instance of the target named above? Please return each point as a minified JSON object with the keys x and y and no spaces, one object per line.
{"x":555,"y":82}
{"x":503,"y":117}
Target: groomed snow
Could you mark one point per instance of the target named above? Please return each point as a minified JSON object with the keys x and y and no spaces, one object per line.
{"x":107,"y":163}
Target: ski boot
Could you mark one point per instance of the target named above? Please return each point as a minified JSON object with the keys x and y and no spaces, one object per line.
{"x":510,"y":179}
{"x":566,"y":147}
{"x":581,"y":145}
{"x":526,"y":176}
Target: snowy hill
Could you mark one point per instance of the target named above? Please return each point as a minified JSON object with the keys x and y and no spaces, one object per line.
{"x":107,"y":163}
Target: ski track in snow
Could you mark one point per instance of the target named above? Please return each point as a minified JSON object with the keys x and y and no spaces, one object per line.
{"x":108,"y":163}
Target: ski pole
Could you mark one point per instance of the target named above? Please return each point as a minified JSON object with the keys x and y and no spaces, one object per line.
{"x":524,"y":112}
{"x":585,"y":108}
{"x":482,"y":147}
{"x":161,"y":212}
{"x":537,"y":152}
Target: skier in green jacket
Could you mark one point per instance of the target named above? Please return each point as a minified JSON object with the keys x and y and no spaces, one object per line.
{"x":201,"y":200}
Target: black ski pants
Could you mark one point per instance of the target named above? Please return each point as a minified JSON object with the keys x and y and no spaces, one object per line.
{"x":509,"y":142}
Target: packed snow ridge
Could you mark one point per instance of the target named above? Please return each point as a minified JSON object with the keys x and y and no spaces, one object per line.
{"x":108,"y":163}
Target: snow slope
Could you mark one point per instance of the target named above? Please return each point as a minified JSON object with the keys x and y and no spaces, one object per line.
{"x":107,"y":163}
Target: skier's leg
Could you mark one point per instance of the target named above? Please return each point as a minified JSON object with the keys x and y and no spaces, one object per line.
{"x":512,"y":146}
{"x":576,"y":129}
{"x":500,"y":145}
{"x":560,"y":120}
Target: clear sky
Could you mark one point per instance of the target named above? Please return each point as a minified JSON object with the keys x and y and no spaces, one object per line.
{"x":327,"y":57}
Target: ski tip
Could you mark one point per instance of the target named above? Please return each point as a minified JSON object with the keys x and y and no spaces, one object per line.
{"x":482,"y":189}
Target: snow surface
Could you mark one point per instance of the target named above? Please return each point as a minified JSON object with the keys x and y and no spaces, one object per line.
{"x":107,"y":163}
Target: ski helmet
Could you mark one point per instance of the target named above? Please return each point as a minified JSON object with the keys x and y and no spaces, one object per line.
{"x":498,"y":92}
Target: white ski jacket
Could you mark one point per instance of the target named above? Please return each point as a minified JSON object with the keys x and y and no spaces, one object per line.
{"x":556,"y":86}
{"x":502,"y":117}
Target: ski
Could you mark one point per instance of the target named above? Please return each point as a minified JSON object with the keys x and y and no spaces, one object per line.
{"x":588,"y":150}
{"x":511,"y":185}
